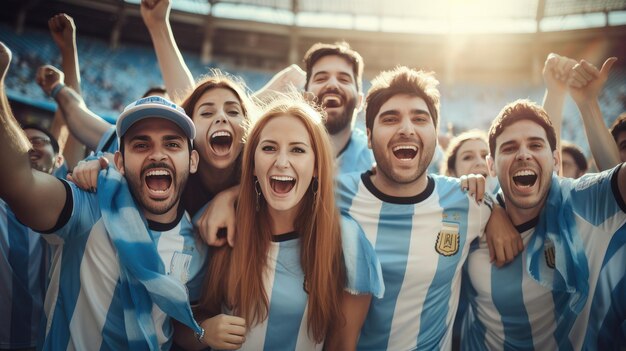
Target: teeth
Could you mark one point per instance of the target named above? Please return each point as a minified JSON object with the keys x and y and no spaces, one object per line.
{"x":283,"y":178}
{"x":524,"y":172}
{"x":158,"y":172}
{"x":405,"y":147}
{"x":220,"y":133}
{"x":159,"y":191}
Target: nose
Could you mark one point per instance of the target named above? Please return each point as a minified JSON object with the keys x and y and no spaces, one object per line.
{"x":406,"y":127}
{"x":523,"y":154}
{"x":282,"y":160}
{"x":157,"y":154}
{"x":220,"y":117}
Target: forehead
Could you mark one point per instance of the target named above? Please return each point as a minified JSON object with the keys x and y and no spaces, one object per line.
{"x":219,"y":95}
{"x":155,"y":128}
{"x":520,"y":131}
{"x":473,"y":145}
{"x":332,"y":63}
{"x":285,"y":128}
{"x":32,"y":133}
{"x":403,"y":103}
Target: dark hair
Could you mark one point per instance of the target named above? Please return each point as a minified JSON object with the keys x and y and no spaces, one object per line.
{"x":341,"y":49}
{"x":576,"y":153}
{"x":158,"y":89}
{"x":53,"y":141}
{"x":402,"y":80}
{"x":522,"y":109}
{"x":618,"y":126}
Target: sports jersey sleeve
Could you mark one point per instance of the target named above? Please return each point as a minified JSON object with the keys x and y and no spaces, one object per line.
{"x":596,"y":198}
{"x":363,"y":270}
{"x":81,"y":211}
{"x":108,"y":142}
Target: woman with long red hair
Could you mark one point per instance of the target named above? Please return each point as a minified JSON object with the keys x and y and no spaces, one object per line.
{"x":287,"y":280}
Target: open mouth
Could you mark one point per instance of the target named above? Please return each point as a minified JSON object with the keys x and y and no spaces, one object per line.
{"x":221,"y":142}
{"x":331,"y":100}
{"x":405,"y":152}
{"x":282,"y":184}
{"x":158,"y":180}
{"x":525,"y":178}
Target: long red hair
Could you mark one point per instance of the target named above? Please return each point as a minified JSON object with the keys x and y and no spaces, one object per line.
{"x":235,"y":276}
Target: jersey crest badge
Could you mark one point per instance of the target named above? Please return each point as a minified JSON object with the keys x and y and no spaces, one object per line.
{"x":448,"y":239}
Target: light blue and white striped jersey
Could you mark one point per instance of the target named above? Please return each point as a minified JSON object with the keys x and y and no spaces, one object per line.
{"x":510,"y":310}
{"x":108,"y":142}
{"x":355,"y":156}
{"x":83,"y":306}
{"x":286,"y":327}
{"x":23,"y":269}
{"x":422,"y":242}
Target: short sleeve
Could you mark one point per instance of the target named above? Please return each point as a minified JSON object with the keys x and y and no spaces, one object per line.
{"x":363,"y":269}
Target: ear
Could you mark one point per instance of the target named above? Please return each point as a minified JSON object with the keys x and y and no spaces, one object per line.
{"x":193,"y":161}
{"x":369,"y":138}
{"x":491,"y":165}
{"x":556,"y":155}
{"x":359,"y":102}
{"x":119,"y":162}
{"x":58,"y":161}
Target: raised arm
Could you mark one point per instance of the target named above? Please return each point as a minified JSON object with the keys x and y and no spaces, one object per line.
{"x":35,"y":197}
{"x":63,"y":31}
{"x":289,"y":78}
{"x":82,"y":122}
{"x":585,"y":84}
{"x":176,"y":75}
{"x":556,"y":72}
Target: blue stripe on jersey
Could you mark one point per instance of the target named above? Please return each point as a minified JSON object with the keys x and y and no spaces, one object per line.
{"x":595,"y":186}
{"x":114,"y":325}
{"x":21,"y":301}
{"x":613,"y":330}
{"x":433,"y":319}
{"x":394,"y":250}
{"x":356,"y":157}
{"x":288,"y":300}
{"x":506,"y":292}
{"x":563,"y":314}
{"x":470,"y":321}
{"x":57,"y":338}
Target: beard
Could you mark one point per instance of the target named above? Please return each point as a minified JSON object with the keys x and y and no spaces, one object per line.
{"x":337,"y":122}
{"x":155,"y":206}
{"x":384,"y":166}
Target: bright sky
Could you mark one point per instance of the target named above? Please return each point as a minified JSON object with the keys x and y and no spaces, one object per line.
{"x":408,"y":16}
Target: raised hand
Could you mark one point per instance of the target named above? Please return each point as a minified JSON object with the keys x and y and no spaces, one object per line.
{"x":586,"y":81}
{"x":155,"y":12}
{"x":63,"y":31}
{"x":556,"y":72}
{"x":48,"y":77}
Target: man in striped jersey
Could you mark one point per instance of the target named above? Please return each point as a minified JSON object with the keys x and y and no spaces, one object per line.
{"x":122,"y":257}
{"x":333,"y":76}
{"x":24,"y":253}
{"x":420,"y":225}
{"x":543,"y":300}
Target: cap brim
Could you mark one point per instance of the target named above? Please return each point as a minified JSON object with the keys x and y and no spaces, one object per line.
{"x":144,"y":111}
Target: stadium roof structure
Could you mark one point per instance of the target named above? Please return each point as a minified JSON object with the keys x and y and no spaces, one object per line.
{"x":419,"y":16}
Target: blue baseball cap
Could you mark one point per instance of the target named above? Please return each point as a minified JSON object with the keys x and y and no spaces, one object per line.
{"x":154,"y":107}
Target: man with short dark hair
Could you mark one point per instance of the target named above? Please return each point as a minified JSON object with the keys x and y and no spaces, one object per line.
{"x":546,"y":298}
{"x":420,"y":225}
{"x":334,"y":76}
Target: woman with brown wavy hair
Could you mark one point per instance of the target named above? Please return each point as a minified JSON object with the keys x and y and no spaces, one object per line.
{"x":282,"y":285}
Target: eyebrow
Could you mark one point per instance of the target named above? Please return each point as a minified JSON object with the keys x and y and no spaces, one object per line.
{"x":417,"y":111}
{"x":290,"y":144}
{"x":211,"y":104}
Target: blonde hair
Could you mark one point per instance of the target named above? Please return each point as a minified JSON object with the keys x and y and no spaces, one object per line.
{"x":235,"y":276}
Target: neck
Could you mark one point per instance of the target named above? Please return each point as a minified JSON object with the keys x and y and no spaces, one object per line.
{"x":217,"y":179}
{"x":392,"y":188}
{"x":522,"y":215}
{"x":340,"y":139}
{"x":167,"y":217}
{"x":282,"y":221}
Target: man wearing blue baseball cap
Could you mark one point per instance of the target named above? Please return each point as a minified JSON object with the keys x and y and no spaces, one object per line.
{"x":125,"y":260}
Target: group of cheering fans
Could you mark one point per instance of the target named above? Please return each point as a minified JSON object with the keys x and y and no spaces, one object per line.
{"x":227,"y":221}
